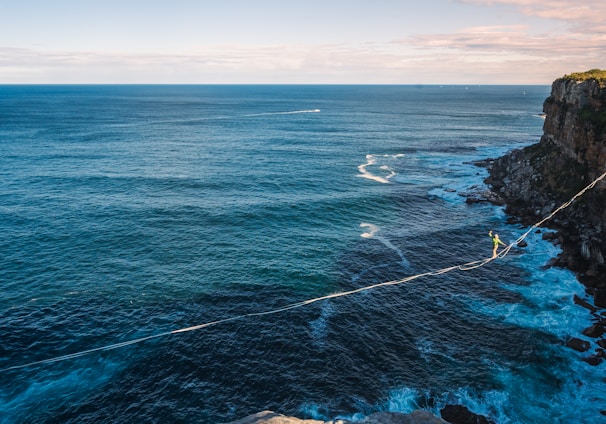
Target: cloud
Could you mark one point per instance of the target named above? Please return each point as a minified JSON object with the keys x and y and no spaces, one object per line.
{"x":516,"y":40}
{"x":212,"y":64}
{"x":578,"y":45}
{"x":585,"y":16}
{"x":480,"y":55}
{"x":474,"y":55}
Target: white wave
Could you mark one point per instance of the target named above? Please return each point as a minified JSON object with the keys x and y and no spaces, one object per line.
{"x":547,"y":306}
{"x":372,"y":230}
{"x":577,"y":399}
{"x":404,"y":400}
{"x":523,"y":401}
{"x":492,"y":404}
{"x":372,"y":233}
{"x":371,"y":160}
{"x":559,"y":317}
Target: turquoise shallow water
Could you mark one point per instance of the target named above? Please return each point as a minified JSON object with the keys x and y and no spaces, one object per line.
{"x":131,"y":211}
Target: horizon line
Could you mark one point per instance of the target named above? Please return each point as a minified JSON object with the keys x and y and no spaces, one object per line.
{"x":271,"y":84}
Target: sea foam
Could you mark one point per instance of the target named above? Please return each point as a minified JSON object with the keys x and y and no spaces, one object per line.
{"x":371,"y":161}
{"x":372,"y":233}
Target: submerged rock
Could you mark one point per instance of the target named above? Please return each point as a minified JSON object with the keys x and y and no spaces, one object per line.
{"x":592,"y":360}
{"x":578,"y":344}
{"x":594,"y":331}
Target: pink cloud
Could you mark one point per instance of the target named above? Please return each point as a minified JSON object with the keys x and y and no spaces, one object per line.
{"x":586,"y":14}
{"x":516,"y":40}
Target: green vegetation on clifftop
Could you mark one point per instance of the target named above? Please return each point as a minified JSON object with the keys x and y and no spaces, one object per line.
{"x":595,"y":117}
{"x":596,"y":74}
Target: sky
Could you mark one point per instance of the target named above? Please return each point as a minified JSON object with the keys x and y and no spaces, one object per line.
{"x":299,"y":41}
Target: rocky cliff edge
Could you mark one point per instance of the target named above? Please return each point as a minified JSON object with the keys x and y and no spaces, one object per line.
{"x":535,"y":180}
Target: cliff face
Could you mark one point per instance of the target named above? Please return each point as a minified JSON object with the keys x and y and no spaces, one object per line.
{"x":573,"y":123}
{"x":571,"y":154}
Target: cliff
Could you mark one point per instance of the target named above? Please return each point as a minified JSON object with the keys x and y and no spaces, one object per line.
{"x":535,"y":180}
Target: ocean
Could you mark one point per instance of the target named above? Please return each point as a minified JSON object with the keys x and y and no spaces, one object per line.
{"x":129,"y":212}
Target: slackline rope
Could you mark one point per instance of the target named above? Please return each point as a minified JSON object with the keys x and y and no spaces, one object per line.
{"x":462,"y":267}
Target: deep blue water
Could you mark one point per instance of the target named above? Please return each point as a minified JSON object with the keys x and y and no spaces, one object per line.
{"x":132,"y":211}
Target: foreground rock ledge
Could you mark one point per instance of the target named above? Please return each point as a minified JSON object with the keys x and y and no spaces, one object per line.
{"x":416,"y":417}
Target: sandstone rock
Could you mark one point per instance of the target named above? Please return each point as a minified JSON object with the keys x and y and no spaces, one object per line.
{"x":416,"y":417}
{"x":269,"y":417}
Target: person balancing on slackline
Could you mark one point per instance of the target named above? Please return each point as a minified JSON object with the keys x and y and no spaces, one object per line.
{"x":495,"y":243}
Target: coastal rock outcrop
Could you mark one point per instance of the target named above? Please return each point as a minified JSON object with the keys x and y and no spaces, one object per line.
{"x":451,"y":414}
{"x":416,"y":417}
{"x":535,"y":180}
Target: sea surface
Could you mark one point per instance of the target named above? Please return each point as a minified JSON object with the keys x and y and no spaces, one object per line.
{"x":129,"y":212}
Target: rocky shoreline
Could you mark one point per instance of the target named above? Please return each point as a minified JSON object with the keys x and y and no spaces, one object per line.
{"x":533,"y":181}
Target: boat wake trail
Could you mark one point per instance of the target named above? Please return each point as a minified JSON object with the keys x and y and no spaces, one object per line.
{"x":292,"y":112}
